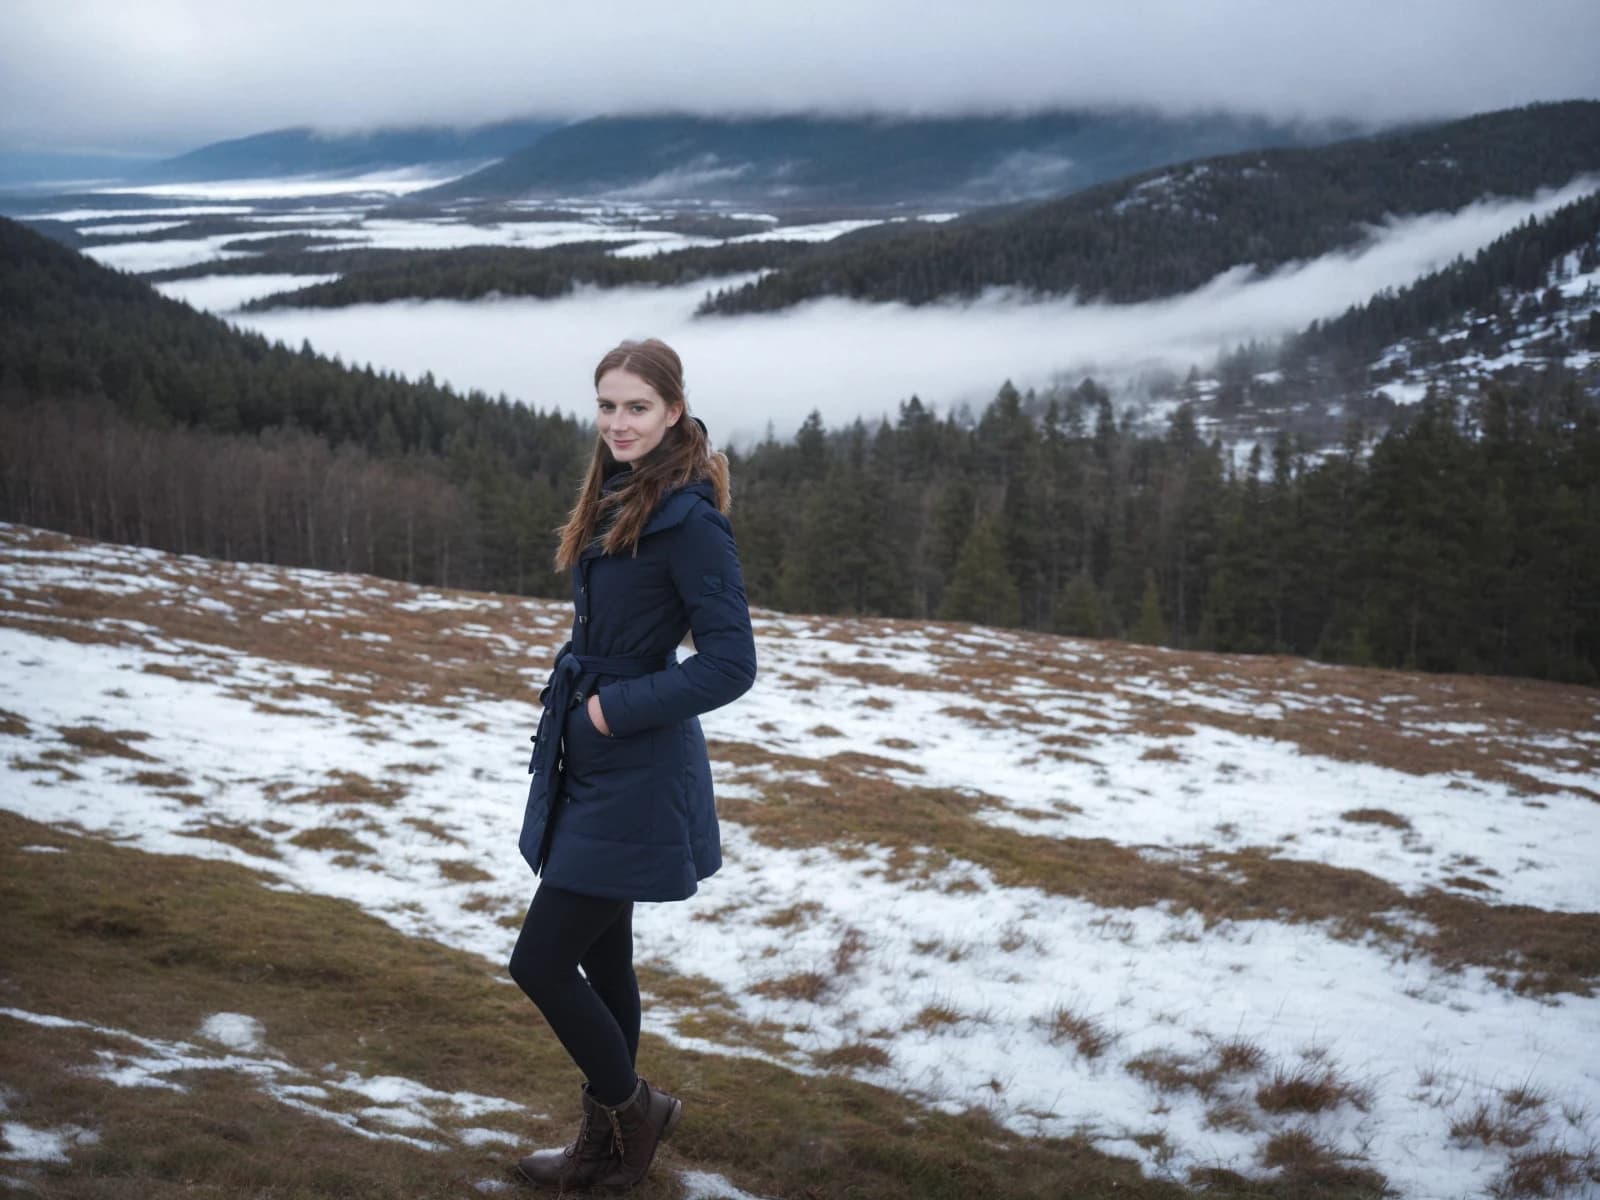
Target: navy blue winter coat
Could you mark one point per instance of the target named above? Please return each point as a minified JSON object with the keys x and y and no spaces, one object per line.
{"x":631,"y":815}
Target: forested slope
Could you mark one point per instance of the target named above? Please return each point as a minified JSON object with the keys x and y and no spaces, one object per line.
{"x":1169,"y":231}
{"x":132,"y":417}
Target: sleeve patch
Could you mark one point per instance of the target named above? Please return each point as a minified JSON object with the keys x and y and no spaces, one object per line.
{"x":710,"y":582}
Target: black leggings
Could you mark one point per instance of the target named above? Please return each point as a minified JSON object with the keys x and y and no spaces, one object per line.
{"x":596,"y":1014}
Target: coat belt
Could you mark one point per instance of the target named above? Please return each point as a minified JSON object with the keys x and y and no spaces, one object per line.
{"x":562,"y":687}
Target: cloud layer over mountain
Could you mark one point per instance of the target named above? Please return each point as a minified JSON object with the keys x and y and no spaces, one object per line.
{"x":167,"y":75}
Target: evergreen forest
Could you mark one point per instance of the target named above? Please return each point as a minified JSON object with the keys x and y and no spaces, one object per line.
{"x":1171,"y":230}
{"x":1465,"y":538}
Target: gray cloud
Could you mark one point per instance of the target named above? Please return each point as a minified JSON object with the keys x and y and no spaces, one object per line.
{"x":170,"y":74}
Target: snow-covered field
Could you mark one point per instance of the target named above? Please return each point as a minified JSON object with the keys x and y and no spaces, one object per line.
{"x":983,"y":867}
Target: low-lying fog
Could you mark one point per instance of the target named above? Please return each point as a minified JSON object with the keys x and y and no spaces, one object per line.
{"x":851,"y":359}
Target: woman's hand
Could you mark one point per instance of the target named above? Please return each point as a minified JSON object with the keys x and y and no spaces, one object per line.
{"x":598,"y":718}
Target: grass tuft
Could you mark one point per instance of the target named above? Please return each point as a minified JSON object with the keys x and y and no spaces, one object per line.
{"x":1309,"y":1089}
{"x":938,"y":1015}
{"x":1311,"y":1167}
{"x":1090,"y":1036}
{"x":809,"y":986}
{"x":1240,"y":1056}
{"x":1550,"y":1170}
{"x":1488,"y":1125}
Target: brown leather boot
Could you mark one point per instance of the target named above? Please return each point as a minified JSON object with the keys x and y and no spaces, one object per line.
{"x":576,"y":1166}
{"x":637,"y":1127}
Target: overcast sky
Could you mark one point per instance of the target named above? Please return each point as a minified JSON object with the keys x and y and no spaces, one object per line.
{"x":168,"y":75}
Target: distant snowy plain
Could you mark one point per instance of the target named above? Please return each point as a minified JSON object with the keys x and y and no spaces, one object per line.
{"x":1419,"y":1043}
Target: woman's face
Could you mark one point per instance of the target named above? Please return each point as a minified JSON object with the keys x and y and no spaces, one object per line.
{"x":632,"y":416}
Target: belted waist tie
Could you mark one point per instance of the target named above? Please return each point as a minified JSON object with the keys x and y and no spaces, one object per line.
{"x":557,"y":696}
{"x":562,"y":688}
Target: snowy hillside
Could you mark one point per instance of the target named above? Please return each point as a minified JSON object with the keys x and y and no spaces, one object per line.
{"x":1207,"y":912}
{"x":1489,"y":332}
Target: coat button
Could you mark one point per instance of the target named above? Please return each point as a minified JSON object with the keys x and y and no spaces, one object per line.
{"x":582,"y":620}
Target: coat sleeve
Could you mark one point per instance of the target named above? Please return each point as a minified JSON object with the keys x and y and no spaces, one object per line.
{"x":705,"y":571}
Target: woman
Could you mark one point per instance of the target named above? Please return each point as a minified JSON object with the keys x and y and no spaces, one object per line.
{"x":620,"y":807}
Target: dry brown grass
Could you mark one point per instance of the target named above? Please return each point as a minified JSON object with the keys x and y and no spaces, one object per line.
{"x":1310,"y":1088}
{"x":857,"y":760}
{"x":459,"y":870}
{"x":161,"y":779}
{"x":240,"y":836}
{"x":809,"y":986}
{"x":13,"y":725}
{"x":938,"y":1015}
{"x":1090,"y":1036}
{"x":793,"y":915}
{"x":847,"y":955}
{"x":330,"y":838}
{"x":432,"y":828}
{"x":351,"y":788}
{"x":92,"y":739}
{"x":1547,"y":1171}
{"x":1309,"y":1163}
{"x":1375,"y":816}
{"x":42,"y":765}
{"x":853,"y":1056}
{"x":1239,"y":1056}
{"x":1169,"y":1071}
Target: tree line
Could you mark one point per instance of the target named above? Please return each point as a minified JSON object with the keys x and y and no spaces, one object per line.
{"x":475,"y":272}
{"x":1468,"y":539}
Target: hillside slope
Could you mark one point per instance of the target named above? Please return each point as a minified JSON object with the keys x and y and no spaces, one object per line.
{"x":1163,"y":232}
{"x":1234,"y":918}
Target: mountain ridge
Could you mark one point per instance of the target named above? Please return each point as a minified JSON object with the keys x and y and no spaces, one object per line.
{"x":1190,"y":222}
{"x":874,"y":160}
{"x":302,"y":150}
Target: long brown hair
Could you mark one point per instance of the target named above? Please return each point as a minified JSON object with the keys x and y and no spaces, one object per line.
{"x":684,"y":455}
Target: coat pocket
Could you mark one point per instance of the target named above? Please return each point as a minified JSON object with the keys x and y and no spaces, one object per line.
{"x":590,"y":752}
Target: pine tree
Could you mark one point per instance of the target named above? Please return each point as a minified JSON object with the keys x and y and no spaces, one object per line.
{"x":981,"y":590}
{"x":1151,"y":627}
{"x":1081,"y":610}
